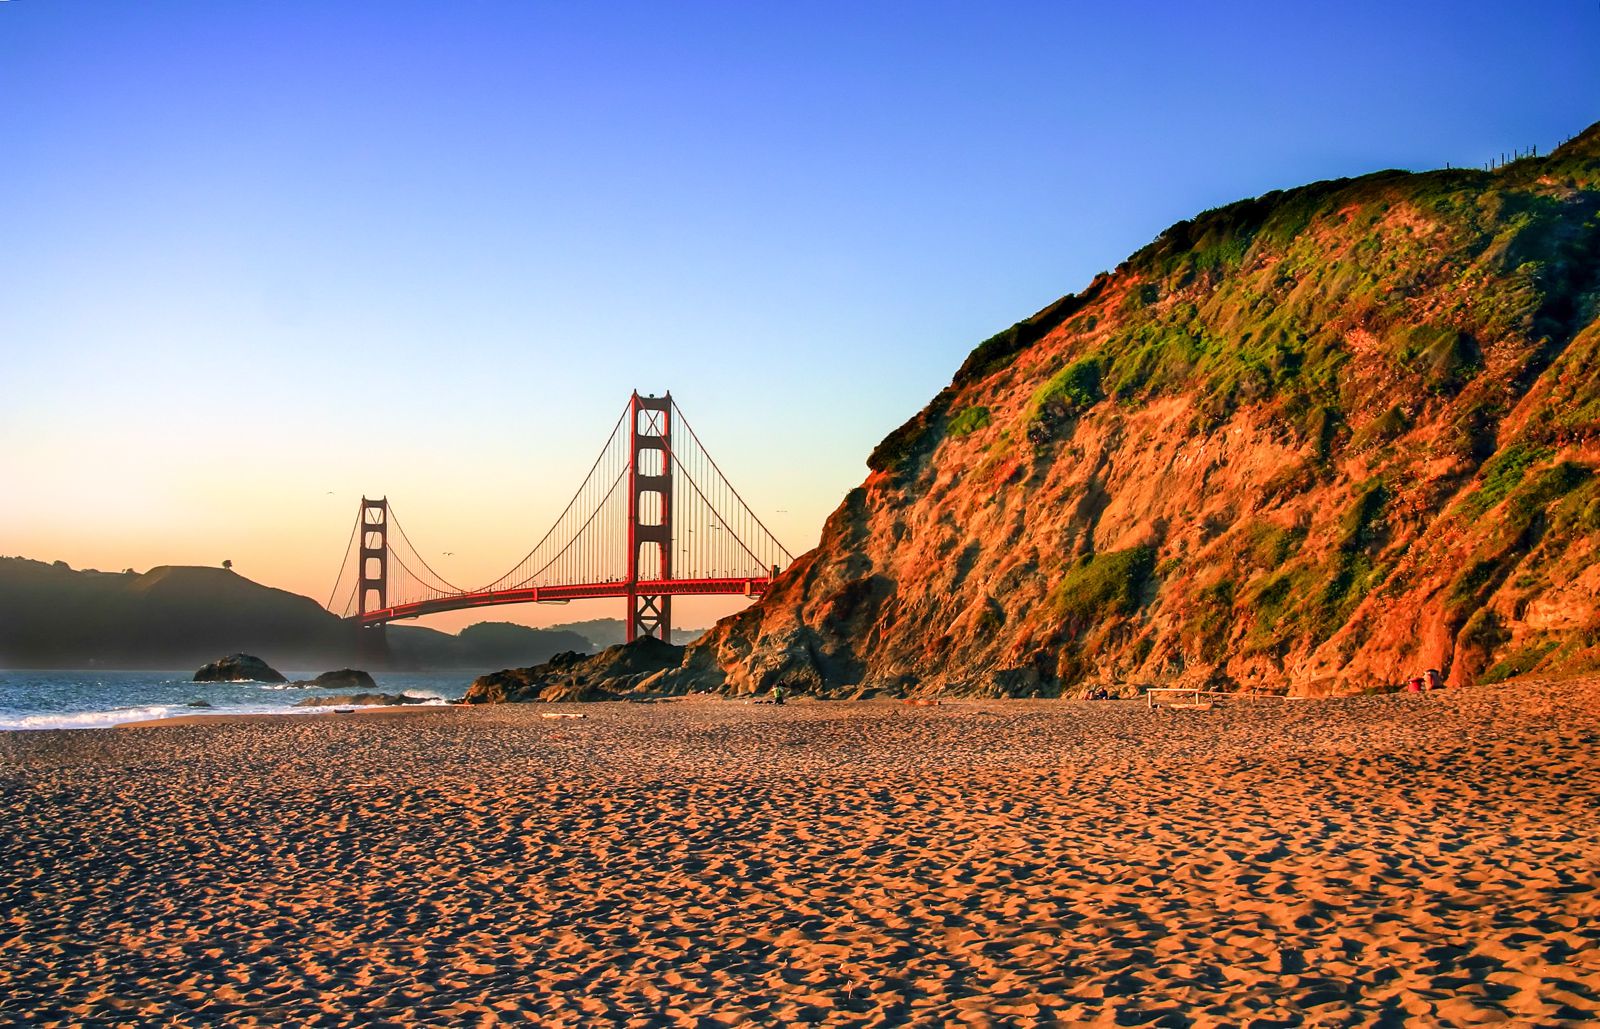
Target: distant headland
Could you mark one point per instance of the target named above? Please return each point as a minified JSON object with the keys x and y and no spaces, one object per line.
{"x":180,"y":616}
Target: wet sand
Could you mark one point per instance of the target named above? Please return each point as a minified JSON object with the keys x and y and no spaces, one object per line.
{"x":1389,"y":860}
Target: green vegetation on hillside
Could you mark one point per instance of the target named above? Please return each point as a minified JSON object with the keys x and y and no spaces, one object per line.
{"x":1102,"y":585}
{"x":1072,"y":389}
{"x":1501,"y":474}
{"x":1286,"y":301}
{"x":969,"y":421}
{"x":1243,"y":305}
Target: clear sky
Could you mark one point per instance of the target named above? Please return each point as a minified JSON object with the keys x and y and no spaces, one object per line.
{"x":257,"y":259}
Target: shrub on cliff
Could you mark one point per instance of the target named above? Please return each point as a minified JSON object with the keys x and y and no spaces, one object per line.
{"x":1102,"y":585}
{"x":1073,"y":388}
{"x":969,"y":421}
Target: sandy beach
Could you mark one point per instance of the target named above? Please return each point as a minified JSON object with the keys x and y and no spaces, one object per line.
{"x":1379,"y":860}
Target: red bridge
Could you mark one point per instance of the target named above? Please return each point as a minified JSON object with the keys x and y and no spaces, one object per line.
{"x":654,"y":519}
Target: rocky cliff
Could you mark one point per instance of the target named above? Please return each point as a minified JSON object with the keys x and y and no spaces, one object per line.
{"x":640,"y":667}
{"x":1314,"y":441}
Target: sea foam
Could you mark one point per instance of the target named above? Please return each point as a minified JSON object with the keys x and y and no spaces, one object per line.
{"x":86,"y":719}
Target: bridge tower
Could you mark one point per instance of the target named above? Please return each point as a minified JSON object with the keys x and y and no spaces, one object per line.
{"x":373,"y":590}
{"x":649,"y":514}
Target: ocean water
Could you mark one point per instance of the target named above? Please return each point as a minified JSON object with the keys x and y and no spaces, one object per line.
{"x":56,"y":699}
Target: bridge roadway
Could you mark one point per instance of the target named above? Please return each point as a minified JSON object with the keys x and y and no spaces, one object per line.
{"x":746,"y":587}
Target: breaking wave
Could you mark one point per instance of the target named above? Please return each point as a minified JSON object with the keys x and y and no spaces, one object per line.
{"x":89,"y":719}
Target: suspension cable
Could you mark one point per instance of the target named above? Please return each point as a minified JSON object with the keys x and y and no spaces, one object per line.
{"x":419,"y":580}
{"x":575,"y":536}
{"x":753,"y":556}
{"x":350,"y":602}
{"x":529,"y":556}
{"x":355,"y":530}
{"x":394,"y":518}
{"x":713,"y":462}
{"x":724,"y":480}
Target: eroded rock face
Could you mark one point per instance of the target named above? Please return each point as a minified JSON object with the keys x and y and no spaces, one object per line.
{"x":640,"y":666}
{"x":236,"y":667}
{"x":1315,"y":442}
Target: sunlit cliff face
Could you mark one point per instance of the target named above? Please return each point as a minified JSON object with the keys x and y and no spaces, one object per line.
{"x":1318,"y":441}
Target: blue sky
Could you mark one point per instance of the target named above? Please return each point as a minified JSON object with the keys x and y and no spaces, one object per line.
{"x":262,"y":258}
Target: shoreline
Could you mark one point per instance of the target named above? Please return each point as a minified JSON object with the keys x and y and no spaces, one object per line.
{"x":1427,"y":858}
{"x":270,"y":717}
{"x":176,"y":713}
{"x":939,"y":703}
{"x":33,"y":701}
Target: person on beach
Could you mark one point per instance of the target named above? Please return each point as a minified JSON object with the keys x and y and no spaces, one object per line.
{"x":777,"y":695}
{"x":1415,"y":685}
{"x":1435,"y":680}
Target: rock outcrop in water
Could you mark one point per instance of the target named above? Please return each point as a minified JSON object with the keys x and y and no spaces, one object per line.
{"x":239,"y":667}
{"x":1316,"y":441}
{"x":342,"y":679}
{"x":639,"y":666}
{"x":361,"y":700}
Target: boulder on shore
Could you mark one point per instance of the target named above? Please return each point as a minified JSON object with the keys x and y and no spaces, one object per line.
{"x":235,"y":667}
{"x":342,"y":679}
{"x":360,"y":700}
{"x":618,"y":670}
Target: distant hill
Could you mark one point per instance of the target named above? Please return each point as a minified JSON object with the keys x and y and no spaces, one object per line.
{"x":53,"y":616}
{"x":608,"y":632}
{"x":486,"y":645}
{"x":168,"y":617}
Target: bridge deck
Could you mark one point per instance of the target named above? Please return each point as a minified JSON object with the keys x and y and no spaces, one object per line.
{"x":747,"y":587}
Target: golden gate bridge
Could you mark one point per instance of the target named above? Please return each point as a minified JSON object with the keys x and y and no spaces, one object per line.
{"x":654,"y":519}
